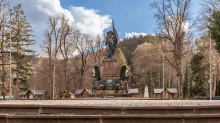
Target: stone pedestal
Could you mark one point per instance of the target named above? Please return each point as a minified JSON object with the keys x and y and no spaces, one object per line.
{"x":110,"y":69}
{"x":108,"y":84}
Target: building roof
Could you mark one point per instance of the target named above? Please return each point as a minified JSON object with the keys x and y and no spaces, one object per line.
{"x":66,"y":92}
{"x":89,"y":91}
{"x":133,"y":90}
{"x":172,"y":90}
{"x":158,"y":90}
{"x":37,"y":92}
{"x":79,"y":91}
{"x":23,"y":92}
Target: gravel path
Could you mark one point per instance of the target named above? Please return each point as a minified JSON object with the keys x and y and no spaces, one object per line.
{"x":129,"y":103}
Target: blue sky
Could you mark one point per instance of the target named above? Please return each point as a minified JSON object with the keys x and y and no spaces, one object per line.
{"x":129,"y":15}
{"x":94,"y":16}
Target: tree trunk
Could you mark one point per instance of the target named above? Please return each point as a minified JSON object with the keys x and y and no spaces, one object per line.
{"x":17,"y":68}
{"x":51,"y":77}
{"x":181,"y":81}
{"x":3,"y":77}
{"x":67,"y":83}
{"x":214,"y":82}
{"x":3,"y":69}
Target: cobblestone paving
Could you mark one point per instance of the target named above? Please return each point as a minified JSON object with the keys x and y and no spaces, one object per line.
{"x":120,"y":103}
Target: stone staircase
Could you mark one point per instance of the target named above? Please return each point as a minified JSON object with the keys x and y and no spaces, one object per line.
{"x":108,"y":114}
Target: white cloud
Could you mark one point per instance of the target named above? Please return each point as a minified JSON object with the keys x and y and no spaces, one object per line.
{"x":88,"y":21}
{"x":128,"y":35}
{"x":37,"y":12}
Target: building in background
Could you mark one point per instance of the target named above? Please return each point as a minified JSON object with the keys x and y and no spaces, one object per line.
{"x":82,"y":93}
{"x":133,"y":92}
{"x":64,"y":95}
{"x":169,"y":93}
{"x":34,"y":94}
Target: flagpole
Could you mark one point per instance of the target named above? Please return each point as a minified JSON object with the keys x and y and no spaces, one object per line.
{"x":163,"y":66}
{"x":10,"y":55}
{"x":210,"y":63}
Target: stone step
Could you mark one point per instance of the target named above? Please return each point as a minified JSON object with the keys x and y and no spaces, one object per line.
{"x":192,"y":118}
{"x":106,"y":110}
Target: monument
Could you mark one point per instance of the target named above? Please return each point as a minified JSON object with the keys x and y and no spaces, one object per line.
{"x":111,"y":82}
{"x":146,"y":94}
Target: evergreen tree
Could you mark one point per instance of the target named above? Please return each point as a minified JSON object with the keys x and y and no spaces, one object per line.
{"x":185,"y":82}
{"x":215,"y":29}
{"x":128,"y":45}
{"x":167,"y":83}
{"x":199,"y":69}
{"x":22,"y":55}
{"x":121,"y":57}
{"x":171,"y":83}
{"x":191,"y":89}
{"x":149,"y":39}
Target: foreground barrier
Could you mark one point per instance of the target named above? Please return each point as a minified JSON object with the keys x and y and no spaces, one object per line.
{"x":109,"y":114}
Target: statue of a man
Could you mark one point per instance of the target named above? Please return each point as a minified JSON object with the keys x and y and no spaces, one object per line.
{"x":110,"y":43}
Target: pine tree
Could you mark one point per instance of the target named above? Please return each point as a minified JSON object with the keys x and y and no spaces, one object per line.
{"x":199,"y":69}
{"x":149,"y":39}
{"x":167,"y":83}
{"x":215,"y":29}
{"x":185,"y":82}
{"x":21,"y":38}
{"x":191,"y":89}
{"x":120,"y":56}
{"x":171,"y":83}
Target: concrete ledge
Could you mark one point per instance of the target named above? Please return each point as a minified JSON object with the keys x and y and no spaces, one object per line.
{"x":108,"y":107}
{"x":53,"y":116}
{"x":141,"y":116}
{"x":195,"y":116}
{"x":212,"y":118}
{"x":106,"y":110}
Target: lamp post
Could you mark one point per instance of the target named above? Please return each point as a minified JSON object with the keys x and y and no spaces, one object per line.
{"x":210,"y":61}
{"x":10,"y":54}
{"x":163,"y":72}
{"x":163,"y":68}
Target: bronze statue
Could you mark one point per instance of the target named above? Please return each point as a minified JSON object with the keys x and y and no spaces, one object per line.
{"x":111,"y":41}
{"x":96,"y":74}
{"x":123,"y":73}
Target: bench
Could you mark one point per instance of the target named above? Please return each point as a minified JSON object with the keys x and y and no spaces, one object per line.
{"x":109,"y":96}
{"x":216,"y":98}
{"x":200,"y":98}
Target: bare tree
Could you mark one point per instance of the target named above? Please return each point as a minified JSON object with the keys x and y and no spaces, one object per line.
{"x":97,"y":49}
{"x":172,"y":15}
{"x":4,"y":31}
{"x":53,"y":35}
{"x":82,"y":45}
{"x":65,"y":47}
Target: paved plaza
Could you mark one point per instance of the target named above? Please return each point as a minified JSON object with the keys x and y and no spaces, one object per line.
{"x":120,"y":103}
